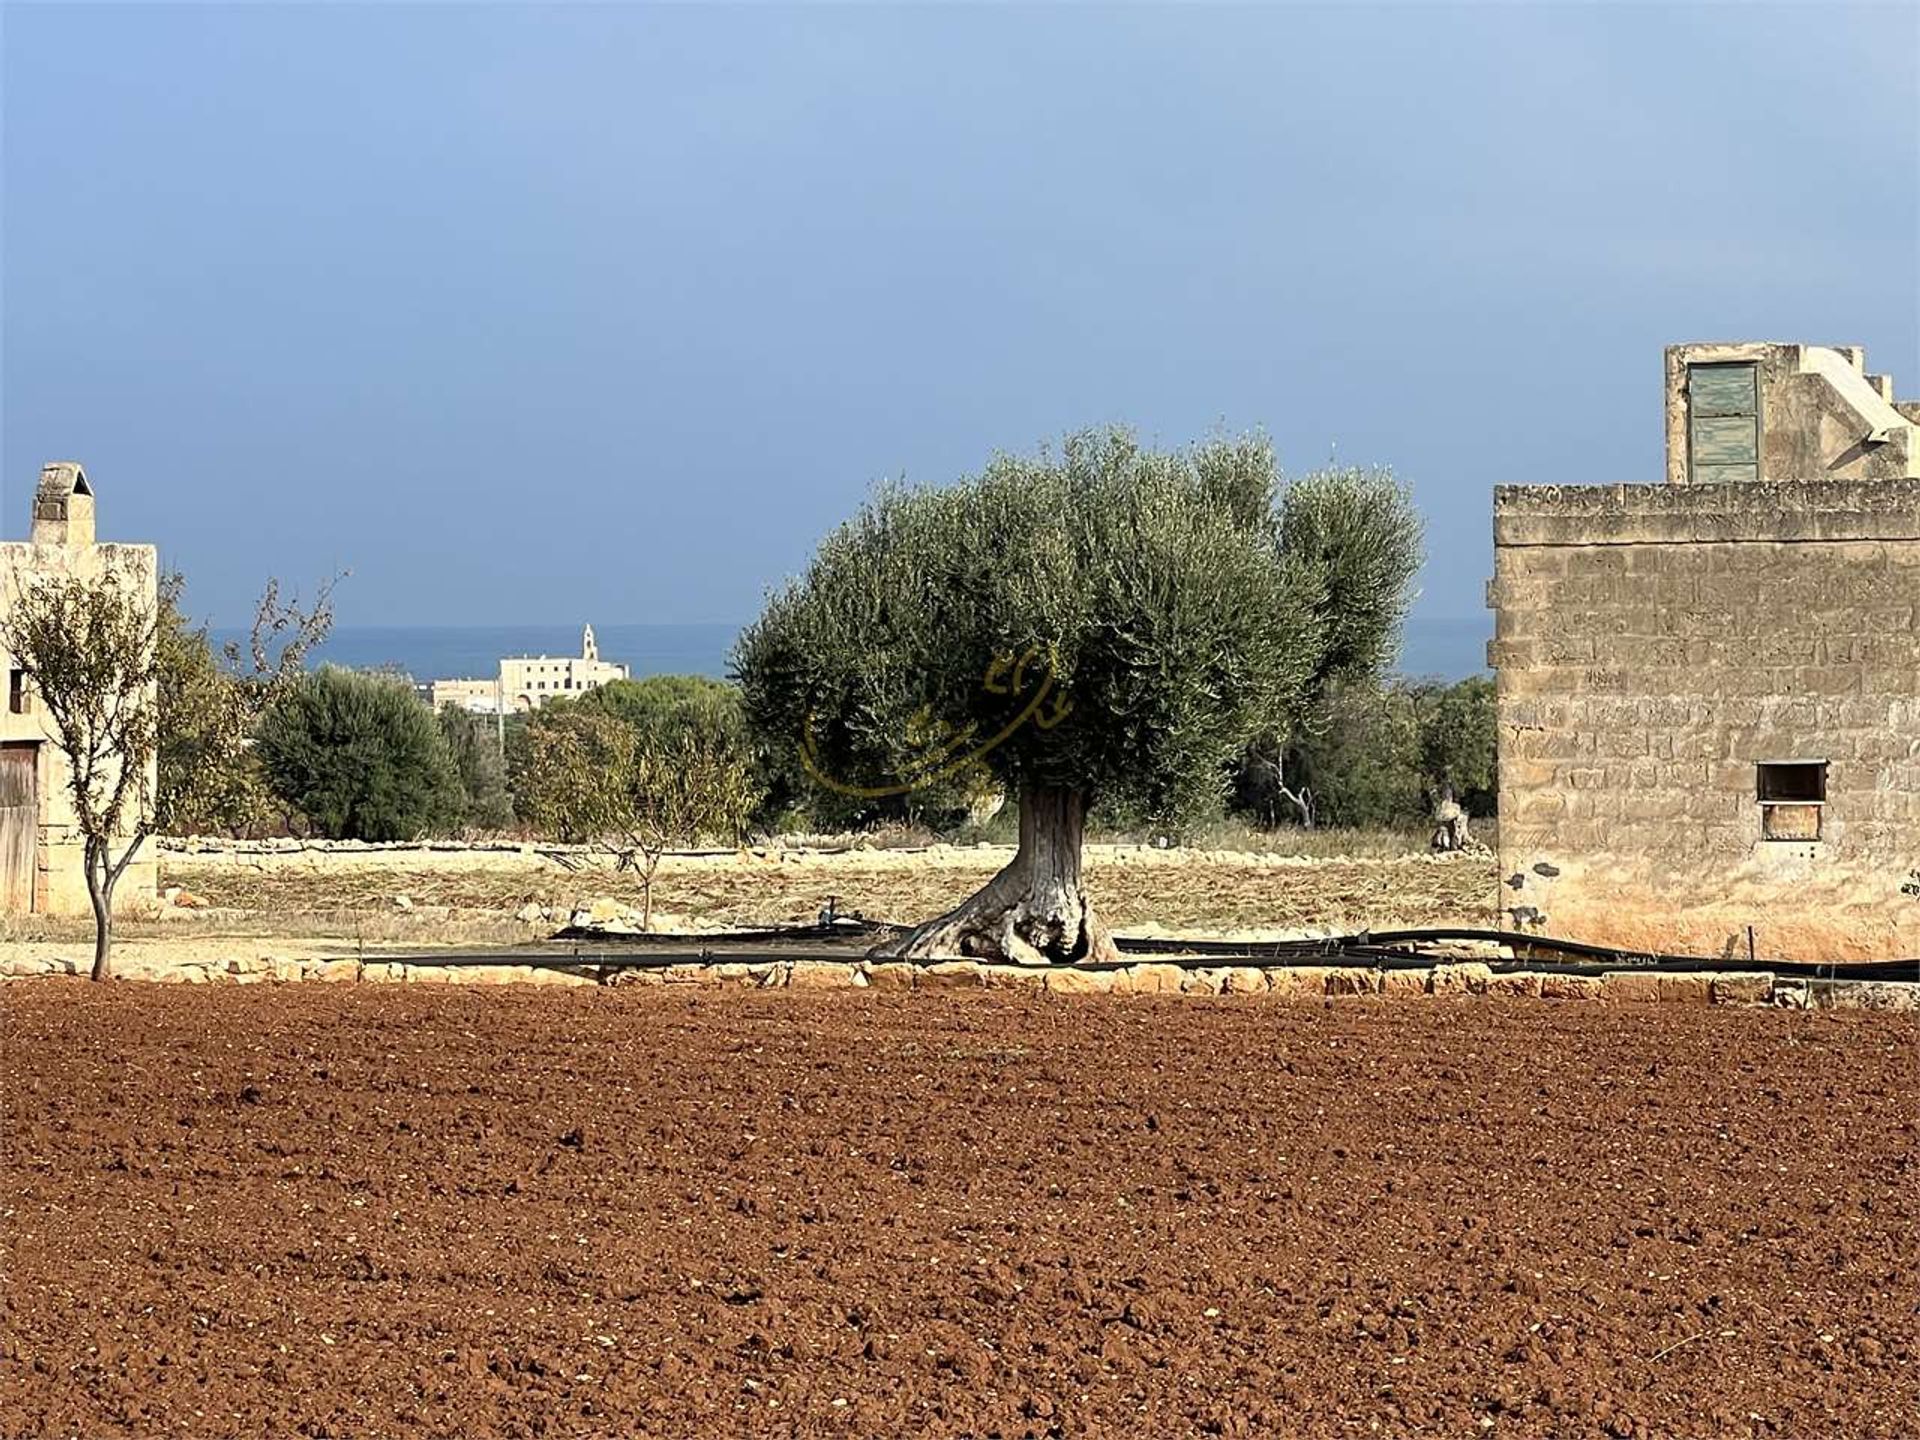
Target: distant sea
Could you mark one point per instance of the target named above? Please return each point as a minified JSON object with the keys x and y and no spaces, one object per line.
{"x":1447,"y":649}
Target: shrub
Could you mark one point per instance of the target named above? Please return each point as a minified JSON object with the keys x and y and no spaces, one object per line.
{"x":474,"y":744}
{"x":360,"y":757}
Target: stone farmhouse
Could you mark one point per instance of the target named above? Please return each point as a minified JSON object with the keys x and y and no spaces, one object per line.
{"x":526,"y":682}
{"x":42,"y":868}
{"x":1709,"y":689}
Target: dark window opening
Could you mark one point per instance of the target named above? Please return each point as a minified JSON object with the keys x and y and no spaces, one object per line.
{"x":1800,"y":782}
{"x":1793,"y":797}
{"x":17,"y":691}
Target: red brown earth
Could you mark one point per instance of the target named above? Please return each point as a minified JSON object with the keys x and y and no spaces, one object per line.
{"x":371,"y":1211}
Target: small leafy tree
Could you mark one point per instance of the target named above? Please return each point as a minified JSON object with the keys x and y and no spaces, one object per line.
{"x":210,"y":706}
{"x":87,"y":644}
{"x":1458,"y":741}
{"x":1108,"y":623}
{"x":596,"y":780}
{"x":1361,"y":756}
{"x":360,"y":757}
{"x":1380,"y":753}
{"x":153,"y":730}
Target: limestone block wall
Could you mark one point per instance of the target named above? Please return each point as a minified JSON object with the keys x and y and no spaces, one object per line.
{"x":1653,"y":644}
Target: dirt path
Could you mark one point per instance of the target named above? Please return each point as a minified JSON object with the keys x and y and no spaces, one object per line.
{"x":380,"y":1211}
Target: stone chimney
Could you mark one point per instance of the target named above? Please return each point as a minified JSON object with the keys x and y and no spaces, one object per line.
{"x":63,"y":506}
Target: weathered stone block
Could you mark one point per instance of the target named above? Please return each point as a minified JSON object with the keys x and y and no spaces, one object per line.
{"x":1246,"y":980}
{"x":1743,"y":989}
{"x":892,"y":974}
{"x":1526,"y":984}
{"x":1570,"y":987}
{"x":820,"y":975}
{"x":1352,"y":980}
{"x":559,"y":979}
{"x":947,"y":974}
{"x":691,"y":973}
{"x":1156,"y":978}
{"x":1068,"y":981}
{"x":1297,"y":982}
{"x":1469,"y":978}
{"x":1635,"y":986}
{"x":1204,"y":982}
{"x":1686,"y":989}
{"x":1404,"y":984}
{"x":333,"y":971}
{"x":1863,"y":995}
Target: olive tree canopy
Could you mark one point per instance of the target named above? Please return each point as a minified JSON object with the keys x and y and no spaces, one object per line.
{"x":1105,"y":620}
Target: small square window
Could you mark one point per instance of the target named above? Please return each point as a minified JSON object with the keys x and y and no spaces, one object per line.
{"x":1793,"y":796}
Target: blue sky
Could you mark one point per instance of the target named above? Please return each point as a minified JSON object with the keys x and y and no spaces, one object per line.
{"x":543,"y":314}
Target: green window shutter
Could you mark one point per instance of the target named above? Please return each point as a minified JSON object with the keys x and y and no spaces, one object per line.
{"x":1723,"y":403}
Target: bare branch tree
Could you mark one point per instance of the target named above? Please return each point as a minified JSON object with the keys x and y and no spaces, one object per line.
{"x":210,"y":707}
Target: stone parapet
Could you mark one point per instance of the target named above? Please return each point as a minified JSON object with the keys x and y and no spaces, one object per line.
{"x":1830,"y":510}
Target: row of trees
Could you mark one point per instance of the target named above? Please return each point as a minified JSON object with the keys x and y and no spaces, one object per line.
{"x":357,"y":756}
{"x":1107,"y":627}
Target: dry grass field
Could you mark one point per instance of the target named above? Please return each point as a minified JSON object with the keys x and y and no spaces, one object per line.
{"x":1141,"y":890}
{"x":424,"y":897}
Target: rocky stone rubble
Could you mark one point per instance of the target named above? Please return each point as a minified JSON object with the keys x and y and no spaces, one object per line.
{"x":1462,"y":980}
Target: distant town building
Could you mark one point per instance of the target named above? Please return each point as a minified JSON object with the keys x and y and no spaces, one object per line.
{"x":42,"y":853}
{"x":526,"y":682}
{"x":1709,"y":689}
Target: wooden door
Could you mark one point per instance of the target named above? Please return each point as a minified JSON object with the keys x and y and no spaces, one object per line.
{"x":19,"y":825}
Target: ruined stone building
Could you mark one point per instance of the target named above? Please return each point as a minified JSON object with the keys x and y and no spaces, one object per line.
{"x":42,"y":868}
{"x":526,"y":682}
{"x":1709,"y":689}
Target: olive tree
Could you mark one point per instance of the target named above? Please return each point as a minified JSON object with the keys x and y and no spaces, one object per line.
{"x":361,"y":757}
{"x":591,"y":778}
{"x":1105,"y":621}
{"x":478,"y":759}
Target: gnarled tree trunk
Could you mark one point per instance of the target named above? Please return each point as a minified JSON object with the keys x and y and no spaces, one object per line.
{"x":1035,"y":911}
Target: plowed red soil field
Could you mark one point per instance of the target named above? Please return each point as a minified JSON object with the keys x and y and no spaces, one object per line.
{"x":374,"y":1211}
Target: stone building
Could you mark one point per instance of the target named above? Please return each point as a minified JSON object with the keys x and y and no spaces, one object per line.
{"x":526,"y":682}
{"x":1709,"y":689}
{"x":41,"y":851}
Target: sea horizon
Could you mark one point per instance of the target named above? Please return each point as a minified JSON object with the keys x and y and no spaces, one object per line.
{"x":1434,"y":647}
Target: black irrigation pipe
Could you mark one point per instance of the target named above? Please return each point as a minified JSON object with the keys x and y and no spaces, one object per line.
{"x":848,"y":941}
